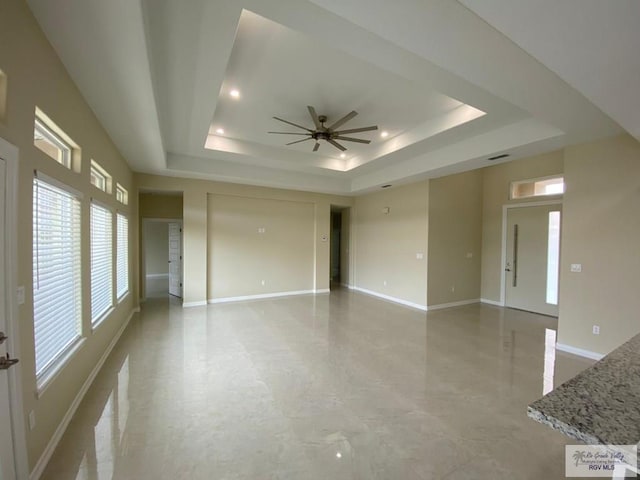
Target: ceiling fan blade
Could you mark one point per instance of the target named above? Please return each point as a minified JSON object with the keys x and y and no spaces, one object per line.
{"x":351,"y":139}
{"x":344,"y":119}
{"x":314,"y":116}
{"x":298,"y":141}
{"x":336,"y":144}
{"x":316,"y":147}
{"x":290,"y":123}
{"x":290,"y":133}
{"x":356,"y":130}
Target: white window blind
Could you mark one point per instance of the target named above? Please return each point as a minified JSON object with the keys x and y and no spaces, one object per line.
{"x":101,"y":266}
{"x":57,"y":304}
{"x":122,"y":262}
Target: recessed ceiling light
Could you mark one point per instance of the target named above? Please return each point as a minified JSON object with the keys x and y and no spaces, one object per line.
{"x":235,"y":93}
{"x":220,"y":131}
{"x":384,"y":134}
{"x":343,"y":155}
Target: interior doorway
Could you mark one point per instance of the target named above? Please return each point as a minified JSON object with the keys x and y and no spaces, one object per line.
{"x":339,"y":247}
{"x":532,"y":258}
{"x":162,"y":257}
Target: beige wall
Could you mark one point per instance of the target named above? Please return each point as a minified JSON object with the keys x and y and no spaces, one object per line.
{"x":153,"y":205}
{"x":242,"y":256}
{"x":496,"y":194}
{"x":601,"y":230}
{"x":455,"y":238}
{"x":37,"y":78}
{"x":156,"y":248}
{"x":196,"y":234}
{"x":386,"y":244}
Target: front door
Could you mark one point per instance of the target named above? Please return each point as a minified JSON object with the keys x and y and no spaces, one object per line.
{"x":533,"y":255}
{"x":7,"y":459}
{"x":175,"y":259}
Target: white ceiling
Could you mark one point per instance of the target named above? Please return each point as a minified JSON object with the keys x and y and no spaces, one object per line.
{"x":452,"y":83}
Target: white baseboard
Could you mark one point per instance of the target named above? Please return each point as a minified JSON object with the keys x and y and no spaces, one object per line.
{"x":579,"y":351}
{"x":157,"y":276}
{"x":323,"y":290}
{"x":264,"y":295}
{"x":491,"y":302}
{"x":199,"y":303}
{"x":391,"y":299}
{"x":64,"y":423}
{"x":460,"y":303}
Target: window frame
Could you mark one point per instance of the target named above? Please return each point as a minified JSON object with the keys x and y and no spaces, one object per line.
{"x":99,"y":172}
{"x":533,"y":181}
{"x":120,"y":295}
{"x":40,"y":126}
{"x":122,"y":195}
{"x":49,"y":370}
{"x":98,"y":317}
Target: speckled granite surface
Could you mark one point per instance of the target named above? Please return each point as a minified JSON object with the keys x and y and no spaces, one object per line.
{"x":600,"y":405}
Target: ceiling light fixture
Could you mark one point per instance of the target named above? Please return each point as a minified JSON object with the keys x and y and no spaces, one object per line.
{"x":235,"y":93}
{"x":384,"y":134}
{"x":329,"y":134}
{"x":220,"y":131}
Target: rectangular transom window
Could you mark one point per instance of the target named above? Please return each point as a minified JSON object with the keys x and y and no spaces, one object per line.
{"x":122,"y":195}
{"x":100,"y":178}
{"x":51,"y":143}
{"x":101,"y":263}
{"x":122,"y":253}
{"x":537,"y":187}
{"x":57,"y":304}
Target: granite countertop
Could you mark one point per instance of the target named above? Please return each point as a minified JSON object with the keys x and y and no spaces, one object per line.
{"x":601,"y":405}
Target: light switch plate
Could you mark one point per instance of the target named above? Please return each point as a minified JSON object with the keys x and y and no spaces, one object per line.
{"x":419,"y":256}
{"x":20,"y":295}
{"x":576,"y":267}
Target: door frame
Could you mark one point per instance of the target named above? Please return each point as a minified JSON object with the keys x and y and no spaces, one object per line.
{"x":10,"y":155}
{"x":143,"y":265}
{"x":503,"y":259}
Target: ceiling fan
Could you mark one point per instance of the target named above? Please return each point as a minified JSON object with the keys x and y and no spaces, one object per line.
{"x":328,"y":134}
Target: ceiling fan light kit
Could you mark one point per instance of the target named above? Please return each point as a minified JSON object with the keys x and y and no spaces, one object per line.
{"x":329,"y":134}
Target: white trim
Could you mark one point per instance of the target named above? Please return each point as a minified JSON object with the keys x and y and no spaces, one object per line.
{"x":391,"y":299}
{"x":64,"y":423}
{"x":323,"y":290}
{"x":264,"y":295}
{"x":503,"y":259}
{"x":579,"y":351}
{"x":199,"y":303}
{"x":491,"y":302}
{"x":157,"y":276}
{"x":460,"y":303}
{"x":10,"y":154}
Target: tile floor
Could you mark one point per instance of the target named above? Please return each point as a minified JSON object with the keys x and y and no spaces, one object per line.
{"x":339,"y":386}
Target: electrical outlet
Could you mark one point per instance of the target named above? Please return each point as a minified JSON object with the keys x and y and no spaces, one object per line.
{"x":263,"y":282}
{"x":596,"y":329}
{"x":384,"y":282}
{"x":32,"y":420}
{"x":453,"y":288}
{"x":469,"y":255}
{"x":576,"y":267}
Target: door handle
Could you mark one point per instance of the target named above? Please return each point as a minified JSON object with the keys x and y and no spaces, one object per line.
{"x":6,"y":362}
{"x":3,"y":337}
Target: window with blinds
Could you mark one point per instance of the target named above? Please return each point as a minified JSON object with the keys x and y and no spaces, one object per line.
{"x":101,"y":266}
{"x":122,"y":256}
{"x":57,"y":297}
